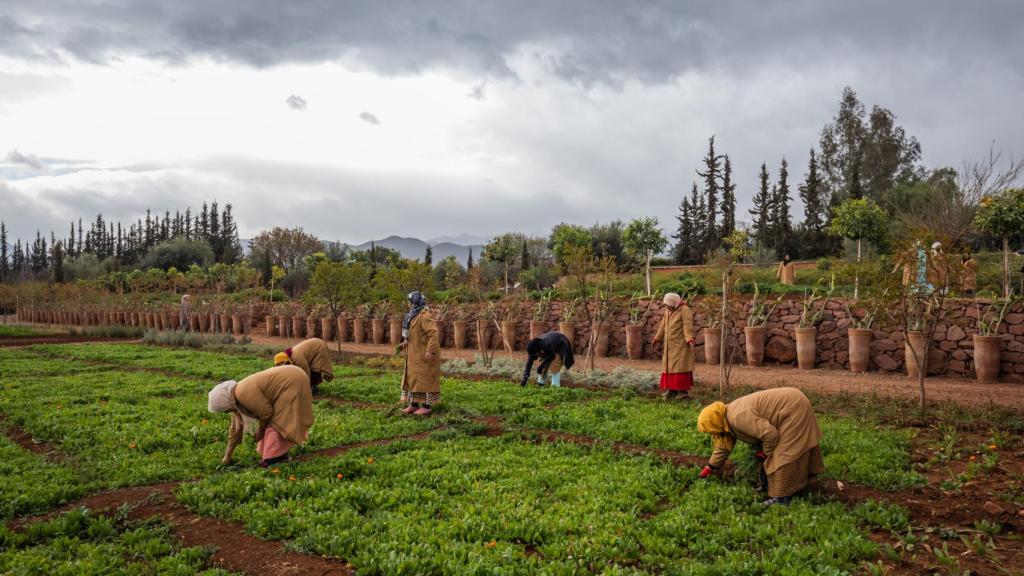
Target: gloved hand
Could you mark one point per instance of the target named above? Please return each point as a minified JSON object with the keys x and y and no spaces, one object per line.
{"x":705,"y":472}
{"x":691,"y":342}
{"x":761,"y":455}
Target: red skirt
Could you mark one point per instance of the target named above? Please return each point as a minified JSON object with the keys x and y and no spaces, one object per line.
{"x":681,"y":381}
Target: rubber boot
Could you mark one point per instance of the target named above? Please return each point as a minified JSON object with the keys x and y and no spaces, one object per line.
{"x":556,"y":380}
{"x":540,"y":380}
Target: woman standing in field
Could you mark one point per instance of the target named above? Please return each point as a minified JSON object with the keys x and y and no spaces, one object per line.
{"x":677,"y":354}
{"x":554,"y":351}
{"x":787,"y":271}
{"x":781,"y":425}
{"x":185,"y":313}
{"x":313,"y":357}
{"x":968,"y":275}
{"x":275,"y":406}
{"x":421,"y":382}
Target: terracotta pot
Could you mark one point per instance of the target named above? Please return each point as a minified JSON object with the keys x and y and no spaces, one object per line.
{"x":342,"y":325}
{"x":158,"y":321}
{"x":298,"y":326}
{"x":986,"y":357}
{"x":271,"y":325}
{"x":225,"y":323}
{"x":311,"y":326}
{"x":484,"y":335}
{"x":508,"y":333}
{"x":204,"y":323}
{"x":284,"y":323}
{"x":602,"y":344}
{"x":537,"y":327}
{"x":377,"y":326}
{"x":459,"y":334}
{"x":172,"y":321}
{"x":358,"y":330}
{"x":754,"y":344}
{"x":806,"y":347}
{"x":212,"y":325}
{"x":712,"y":346}
{"x":442,"y":329}
{"x":569,"y":329}
{"x":195,"y":322}
{"x":634,"y":342}
{"x":915,"y":339}
{"x":860,"y":349}
{"x":326,"y":328}
{"x":236,"y":324}
{"x":395,"y":329}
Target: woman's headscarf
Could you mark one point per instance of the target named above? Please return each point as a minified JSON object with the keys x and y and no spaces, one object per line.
{"x":672,"y":299}
{"x":712,"y":421}
{"x":283,"y":358}
{"x":419,"y":303}
{"x":222,"y":397}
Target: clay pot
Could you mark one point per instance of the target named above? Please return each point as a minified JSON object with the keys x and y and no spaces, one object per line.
{"x":271,"y":325}
{"x":395,"y":329}
{"x":915,"y":339}
{"x":377,"y":325}
{"x":806,"y":347}
{"x":508,"y":333}
{"x":860,"y":349}
{"x":754,"y":344}
{"x":283,"y":324}
{"x":537,"y":327}
{"x":602,"y":345}
{"x":158,"y":321}
{"x":170,"y":321}
{"x":213,"y":322}
{"x":569,"y":329}
{"x":311,"y":325}
{"x":986,"y":357}
{"x":236,"y":325}
{"x":634,"y":342}
{"x":326,"y":328}
{"x":204,"y":323}
{"x":459,"y":334}
{"x":358,"y":330}
{"x":194,"y":320}
{"x":484,"y":336}
{"x":442,"y":327}
{"x":225,"y":323}
{"x":298,"y":326}
{"x":712,"y":345}
{"x":342,"y":327}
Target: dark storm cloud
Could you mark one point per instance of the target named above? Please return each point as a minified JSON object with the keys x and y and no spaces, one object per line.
{"x":581,"y":41}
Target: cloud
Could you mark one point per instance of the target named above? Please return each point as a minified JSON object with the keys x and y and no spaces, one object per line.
{"x":27,"y":159}
{"x":369,"y":118}
{"x":296,"y":102}
{"x":478,"y":92}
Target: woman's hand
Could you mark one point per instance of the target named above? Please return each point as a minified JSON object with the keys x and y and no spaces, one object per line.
{"x":428,"y":356}
{"x":707,"y":471}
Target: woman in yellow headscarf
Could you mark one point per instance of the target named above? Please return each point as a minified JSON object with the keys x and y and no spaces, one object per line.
{"x":781,"y":425}
{"x":313,"y":357}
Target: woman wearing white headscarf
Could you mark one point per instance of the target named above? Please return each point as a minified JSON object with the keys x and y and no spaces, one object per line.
{"x":677,"y":354}
{"x":275,"y":406}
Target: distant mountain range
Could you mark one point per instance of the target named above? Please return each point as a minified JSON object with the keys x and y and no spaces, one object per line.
{"x":441,"y":248}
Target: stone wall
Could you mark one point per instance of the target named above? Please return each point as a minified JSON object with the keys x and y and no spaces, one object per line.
{"x":951,"y":354}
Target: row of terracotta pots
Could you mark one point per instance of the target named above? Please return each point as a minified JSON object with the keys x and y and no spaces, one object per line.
{"x":233,"y":323}
{"x":986,"y":350}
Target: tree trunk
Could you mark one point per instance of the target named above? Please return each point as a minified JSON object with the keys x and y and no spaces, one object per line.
{"x":856,"y":278}
{"x":1006,"y":267}
{"x":647,"y":272}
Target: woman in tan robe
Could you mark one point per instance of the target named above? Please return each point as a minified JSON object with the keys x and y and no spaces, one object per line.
{"x":275,"y":406}
{"x":781,"y":425}
{"x":677,"y":354}
{"x":313,"y":357}
{"x":968,"y":275}
{"x":421,"y":382}
{"x":787,"y":271}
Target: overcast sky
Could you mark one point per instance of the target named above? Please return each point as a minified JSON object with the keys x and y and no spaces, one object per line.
{"x":358,"y":120}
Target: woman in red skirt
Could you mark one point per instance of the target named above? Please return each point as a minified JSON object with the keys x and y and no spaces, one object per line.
{"x":676,"y":329}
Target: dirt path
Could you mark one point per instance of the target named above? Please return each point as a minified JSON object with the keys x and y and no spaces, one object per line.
{"x":826,"y":382}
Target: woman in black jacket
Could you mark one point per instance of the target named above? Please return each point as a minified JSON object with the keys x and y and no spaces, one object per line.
{"x":554,"y":351}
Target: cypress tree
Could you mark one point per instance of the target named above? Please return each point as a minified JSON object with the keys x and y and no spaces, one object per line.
{"x":684,"y":233}
{"x":710,"y":212}
{"x":79,"y":245}
{"x":213,"y":232}
{"x":57,"y":263}
{"x":71,"y":241}
{"x":203,"y":225}
{"x":761,"y":211}
{"x":428,"y":256}
{"x":812,"y":196}
{"x":524,"y":257}
{"x":5,"y":270}
{"x":783,"y":227}
{"x":728,"y":200}
{"x":17,"y":260}
{"x":188,"y":223}
{"x":230,"y":246}
{"x":469,"y":260}
{"x":699,"y":220}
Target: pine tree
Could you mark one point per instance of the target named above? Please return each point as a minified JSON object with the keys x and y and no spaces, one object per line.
{"x":79,"y":245}
{"x":110,"y":241}
{"x":213,"y":231}
{"x":203,"y":225}
{"x":71,"y":241}
{"x":699,"y":218}
{"x":5,"y":270}
{"x":428,"y":256}
{"x":230,"y":246}
{"x":711,"y":176}
{"x":684,"y":233}
{"x":119,"y":247}
{"x":782,"y":225}
{"x":728,"y":200}
{"x":524,"y":257}
{"x":17,"y":259}
{"x":149,"y":233}
{"x":761,"y":212}
{"x":812,"y":195}
{"x":57,"y":263}
{"x":188,"y":223}
{"x":469,"y":260}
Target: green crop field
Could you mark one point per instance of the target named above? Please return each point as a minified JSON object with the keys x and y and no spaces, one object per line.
{"x":415,"y":496}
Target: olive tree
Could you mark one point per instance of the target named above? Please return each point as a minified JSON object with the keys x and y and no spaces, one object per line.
{"x":859,"y":219}
{"x":643,"y":238}
{"x":1003,"y":215}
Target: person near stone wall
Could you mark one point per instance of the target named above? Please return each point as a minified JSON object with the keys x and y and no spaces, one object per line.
{"x":676,"y":331}
{"x":787,"y":271}
{"x":938,"y":269}
{"x":968,"y":275}
{"x":185,"y":313}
